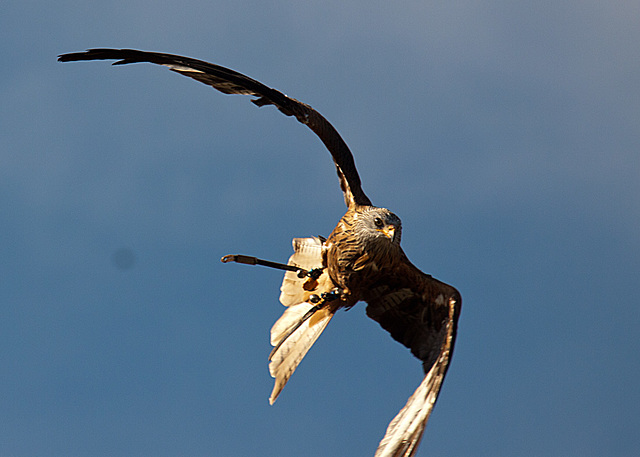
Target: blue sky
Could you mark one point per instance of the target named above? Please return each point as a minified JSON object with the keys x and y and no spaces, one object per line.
{"x":504,"y":135}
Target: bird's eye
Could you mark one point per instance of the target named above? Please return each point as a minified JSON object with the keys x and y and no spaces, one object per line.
{"x":378,"y":222}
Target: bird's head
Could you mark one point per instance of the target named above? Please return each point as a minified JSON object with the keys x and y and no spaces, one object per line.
{"x":379,"y":225}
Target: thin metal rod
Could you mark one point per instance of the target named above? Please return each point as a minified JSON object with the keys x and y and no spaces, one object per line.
{"x":249,"y":260}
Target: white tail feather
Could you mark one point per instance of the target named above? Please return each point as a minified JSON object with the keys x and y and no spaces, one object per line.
{"x":290,"y":335}
{"x":307,"y":255}
{"x":290,"y":352}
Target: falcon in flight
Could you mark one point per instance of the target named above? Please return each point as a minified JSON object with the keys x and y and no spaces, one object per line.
{"x":361,"y":260}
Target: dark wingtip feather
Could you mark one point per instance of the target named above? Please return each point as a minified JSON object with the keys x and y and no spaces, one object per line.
{"x":126,"y":55}
{"x":67,"y":57}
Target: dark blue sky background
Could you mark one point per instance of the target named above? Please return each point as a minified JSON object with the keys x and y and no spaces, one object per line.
{"x":505,"y":135}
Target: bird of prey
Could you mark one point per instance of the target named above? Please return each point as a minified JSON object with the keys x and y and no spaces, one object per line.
{"x":361,"y":260}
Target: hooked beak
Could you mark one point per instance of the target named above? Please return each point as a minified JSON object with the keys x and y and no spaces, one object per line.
{"x":389,"y":231}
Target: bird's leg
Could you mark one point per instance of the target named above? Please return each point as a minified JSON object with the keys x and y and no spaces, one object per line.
{"x":325,"y":297}
{"x":249,"y":260}
{"x":312,"y":274}
{"x":309,"y":284}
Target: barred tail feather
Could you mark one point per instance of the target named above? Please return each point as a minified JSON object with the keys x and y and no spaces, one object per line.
{"x":302,"y":323}
{"x":291,"y":347}
{"x":307,"y":255}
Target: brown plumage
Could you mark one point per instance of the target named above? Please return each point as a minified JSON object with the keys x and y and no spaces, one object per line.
{"x":361,"y":260}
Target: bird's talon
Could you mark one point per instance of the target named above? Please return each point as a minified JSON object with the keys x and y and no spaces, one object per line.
{"x":315,"y":273}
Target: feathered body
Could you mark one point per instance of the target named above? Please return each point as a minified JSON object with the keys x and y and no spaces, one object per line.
{"x":361,"y":260}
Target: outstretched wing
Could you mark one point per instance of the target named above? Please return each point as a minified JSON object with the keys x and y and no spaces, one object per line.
{"x":302,"y":322}
{"x":421,"y":313}
{"x":231,"y":82}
